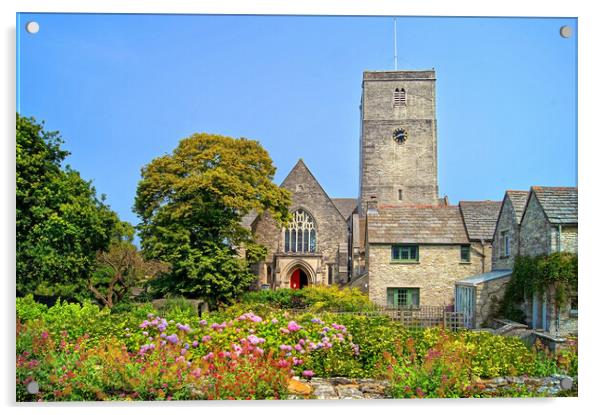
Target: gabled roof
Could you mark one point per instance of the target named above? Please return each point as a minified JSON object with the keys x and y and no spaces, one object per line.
{"x":345,"y":205}
{"x":417,"y":224}
{"x":519,"y":201}
{"x":480,"y":218}
{"x":559,"y":203}
{"x":301,"y":167}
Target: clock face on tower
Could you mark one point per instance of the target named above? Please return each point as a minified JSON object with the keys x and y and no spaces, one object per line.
{"x":400,"y":135}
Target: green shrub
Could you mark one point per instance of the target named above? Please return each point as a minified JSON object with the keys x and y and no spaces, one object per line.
{"x":28,"y":309}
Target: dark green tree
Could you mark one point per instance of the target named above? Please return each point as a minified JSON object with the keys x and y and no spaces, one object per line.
{"x":60,"y":222}
{"x":191,"y":203}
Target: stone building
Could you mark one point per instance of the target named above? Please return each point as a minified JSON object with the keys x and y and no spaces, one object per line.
{"x":399,"y":241}
{"x":506,"y":234}
{"x":415,"y":254}
{"x":549,"y":224}
{"x":536,"y":222}
{"x":313,"y":248}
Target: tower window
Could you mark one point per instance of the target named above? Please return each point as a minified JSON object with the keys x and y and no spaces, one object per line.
{"x":400,"y":194}
{"x":399,"y":97}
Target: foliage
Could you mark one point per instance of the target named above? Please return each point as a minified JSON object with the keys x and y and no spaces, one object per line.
{"x":191,"y":203}
{"x":61,"y":223}
{"x":555,"y":274}
{"x":121,"y":267}
{"x":315,"y":299}
{"x":82,"y":352}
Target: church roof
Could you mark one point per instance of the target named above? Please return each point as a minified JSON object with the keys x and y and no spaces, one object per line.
{"x":519,"y":201}
{"x":480,"y":218}
{"x":417,"y":224}
{"x":345,"y":205}
{"x":559,"y":203}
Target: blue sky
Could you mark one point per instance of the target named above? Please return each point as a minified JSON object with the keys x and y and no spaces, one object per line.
{"x":124,"y":89}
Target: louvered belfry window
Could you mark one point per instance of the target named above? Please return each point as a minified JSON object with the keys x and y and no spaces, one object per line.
{"x":399,"y":97}
{"x":300,"y":233}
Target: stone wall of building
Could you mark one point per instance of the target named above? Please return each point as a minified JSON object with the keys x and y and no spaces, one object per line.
{"x":567,"y":319}
{"x":386,"y":166}
{"x":487,"y":298}
{"x":536,"y":231}
{"x":506,"y":223}
{"x":568,"y":239}
{"x":435,"y":275}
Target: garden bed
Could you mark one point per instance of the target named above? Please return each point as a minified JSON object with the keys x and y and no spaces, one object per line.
{"x":80,"y":352}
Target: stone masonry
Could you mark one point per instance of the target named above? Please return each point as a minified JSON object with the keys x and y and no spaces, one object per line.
{"x":387,"y":166}
{"x":332,"y":235}
{"x":435,"y":274}
{"x":509,"y":221}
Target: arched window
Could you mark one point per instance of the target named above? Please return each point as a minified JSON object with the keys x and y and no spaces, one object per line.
{"x":300,"y":233}
{"x":399,"y":97}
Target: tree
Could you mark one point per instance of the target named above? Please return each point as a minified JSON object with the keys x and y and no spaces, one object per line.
{"x":61,"y":224}
{"x":191,"y":203}
{"x":120,"y":268}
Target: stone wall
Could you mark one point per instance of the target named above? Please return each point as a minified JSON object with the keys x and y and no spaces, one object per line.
{"x":506,"y":222}
{"x":487,"y":298}
{"x":435,"y":274}
{"x":568,"y":239}
{"x":536,"y":231}
{"x":385,"y":165}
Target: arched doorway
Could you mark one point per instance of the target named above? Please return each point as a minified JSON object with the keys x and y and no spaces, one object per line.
{"x":299,"y":279}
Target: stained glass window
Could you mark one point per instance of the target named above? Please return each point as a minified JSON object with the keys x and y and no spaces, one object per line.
{"x":300,"y":233}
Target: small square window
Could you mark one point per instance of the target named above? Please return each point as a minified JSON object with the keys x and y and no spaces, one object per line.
{"x":465,"y":253}
{"x":403,"y":297}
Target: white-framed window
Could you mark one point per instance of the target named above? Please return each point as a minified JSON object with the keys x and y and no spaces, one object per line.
{"x":300,"y":233}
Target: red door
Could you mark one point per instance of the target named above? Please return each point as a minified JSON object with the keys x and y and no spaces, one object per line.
{"x":296,"y":279}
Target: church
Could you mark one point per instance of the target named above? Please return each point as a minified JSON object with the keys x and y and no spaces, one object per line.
{"x":398,"y":239}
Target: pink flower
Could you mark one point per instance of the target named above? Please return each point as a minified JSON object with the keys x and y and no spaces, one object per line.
{"x":293,"y":326}
{"x":308,"y":373}
{"x":206,"y":338}
{"x":282,"y":363}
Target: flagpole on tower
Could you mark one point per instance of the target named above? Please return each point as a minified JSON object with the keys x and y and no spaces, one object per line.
{"x":395,"y":40}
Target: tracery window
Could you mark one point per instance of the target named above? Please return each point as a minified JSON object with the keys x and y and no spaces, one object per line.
{"x":300,"y":233}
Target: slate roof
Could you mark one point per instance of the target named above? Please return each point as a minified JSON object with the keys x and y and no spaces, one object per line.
{"x":486,"y":277}
{"x":559,"y":203}
{"x":519,"y":201}
{"x":480,"y":218}
{"x":417,"y":224}
{"x":345,"y":205}
{"x":248,"y":219}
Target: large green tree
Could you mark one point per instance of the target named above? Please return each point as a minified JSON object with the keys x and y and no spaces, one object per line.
{"x":191,"y":203}
{"x":60,"y":222}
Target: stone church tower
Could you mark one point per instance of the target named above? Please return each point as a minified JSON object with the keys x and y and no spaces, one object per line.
{"x":398,"y":144}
